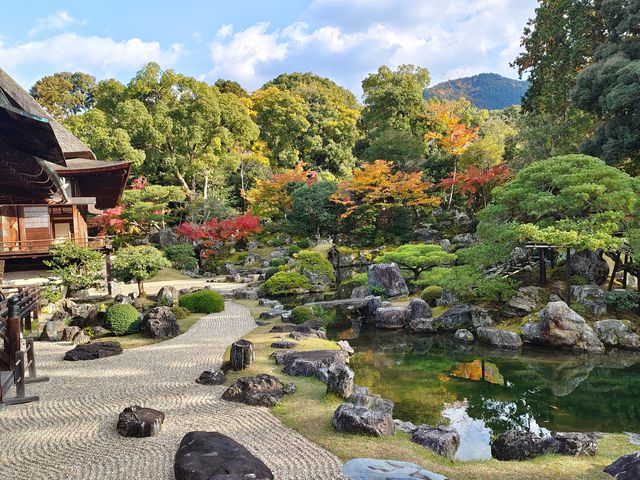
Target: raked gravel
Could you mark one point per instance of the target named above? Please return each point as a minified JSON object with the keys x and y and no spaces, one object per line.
{"x":70,"y":433}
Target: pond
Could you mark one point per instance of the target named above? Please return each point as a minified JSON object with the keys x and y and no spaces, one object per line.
{"x":482,"y":391}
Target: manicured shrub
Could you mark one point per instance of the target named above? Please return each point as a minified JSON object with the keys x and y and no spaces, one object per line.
{"x":277,"y":262}
{"x":139,"y":264}
{"x":623,"y":300}
{"x":182,"y":256}
{"x":271,"y":271}
{"x":180,"y":312}
{"x":204,"y":301}
{"x":301,"y":314}
{"x":305,"y":243}
{"x":293,"y":249}
{"x":283,"y":283}
{"x":315,"y":262}
{"x":123,"y":319}
{"x":431,"y":294}
{"x":79,"y":267}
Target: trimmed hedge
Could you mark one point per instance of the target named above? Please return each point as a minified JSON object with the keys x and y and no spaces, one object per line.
{"x":431,"y":294}
{"x":204,"y":301}
{"x":301,"y":314}
{"x":283,"y":283}
{"x":123,"y":319}
{"x":182,"y":256}
{"x":315,"y":262}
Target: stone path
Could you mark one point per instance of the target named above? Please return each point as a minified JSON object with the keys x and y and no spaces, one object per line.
{"x":70,"y":434}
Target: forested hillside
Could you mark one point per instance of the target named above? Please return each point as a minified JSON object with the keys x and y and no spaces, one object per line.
{"x":486,"y":90}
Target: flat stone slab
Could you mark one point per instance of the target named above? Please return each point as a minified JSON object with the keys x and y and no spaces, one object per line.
{"x":261,"y":390}
{"x":212,"y":455}
{"x":93,"y":351}
{"x":374,"y":469}
{"x":139,"y":422}
{"x":306,"y":364}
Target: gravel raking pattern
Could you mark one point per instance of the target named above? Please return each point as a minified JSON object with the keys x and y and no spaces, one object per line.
{"x":70,"y":433}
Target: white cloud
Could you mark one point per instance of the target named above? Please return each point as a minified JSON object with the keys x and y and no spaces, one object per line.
{"x":347,"y":40}
{"x":55,"y":21}
{"x":101,"y":56}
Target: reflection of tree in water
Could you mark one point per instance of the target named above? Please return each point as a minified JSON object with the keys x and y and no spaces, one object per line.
{"x":479,"y":370}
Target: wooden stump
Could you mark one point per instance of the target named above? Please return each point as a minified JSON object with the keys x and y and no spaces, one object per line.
{"x":242,"y":354}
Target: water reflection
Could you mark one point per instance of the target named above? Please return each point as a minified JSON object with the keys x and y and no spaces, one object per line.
{"x":475,"y":437}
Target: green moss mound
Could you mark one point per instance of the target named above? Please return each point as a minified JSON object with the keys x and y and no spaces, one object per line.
{"x":180,"y":312}
{"x":431,"y":294}
{"x":301,"y":314}
{"x":123,"y":319}
{"x":315,"y":262}
{"x":204,"y":301}
{"x":284,"y":283}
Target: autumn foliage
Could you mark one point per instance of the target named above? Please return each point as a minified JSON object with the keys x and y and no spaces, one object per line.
{"x":476,"y":184}
{"x":447,"y":130}
{"x":215,"y":232}
{"x":375,"y":185}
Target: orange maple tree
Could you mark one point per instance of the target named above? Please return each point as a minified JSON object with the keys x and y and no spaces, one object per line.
{"x":375,"y":185}
{"x":476,"y":184}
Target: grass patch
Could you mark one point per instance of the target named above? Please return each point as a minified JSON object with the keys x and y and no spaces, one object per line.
{"x":139,"y":340}
{"x":309,"y":411}
{"x":169,"y":274}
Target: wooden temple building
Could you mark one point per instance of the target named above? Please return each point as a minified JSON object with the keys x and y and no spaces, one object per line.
{"x":49,"y":180}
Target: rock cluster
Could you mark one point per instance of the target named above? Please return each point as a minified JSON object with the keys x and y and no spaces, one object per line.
{"x":261,"y":390}
{"x":442,"y":440}
{"x":93,"y":350}
{"x":520,"y":445}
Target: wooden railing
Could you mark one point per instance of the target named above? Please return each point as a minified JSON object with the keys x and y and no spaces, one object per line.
{"x":25,"y":247}
{"x":16,"y":314}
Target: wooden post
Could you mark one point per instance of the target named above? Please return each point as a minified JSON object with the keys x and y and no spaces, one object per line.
{"x":552,"y":257}
{"x":13,"y":329}
{"x":624,"y":271}
{"x":568,"y":267}
{"x":242,"y":354}
{"x":543,"y":267}
{"x":107,"y":267}
{"x":616,"y":266}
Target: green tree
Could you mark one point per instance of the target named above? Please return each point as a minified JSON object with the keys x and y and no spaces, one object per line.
{"x":402,"y":147}
{"x":79,"y":267}
{"x":417,"y":258}
{"x":312,"y":211}
{"x":138,"y":264}
{"x":231,"y":86}
{"x":63,"y":94}
{"x":573,"y":200}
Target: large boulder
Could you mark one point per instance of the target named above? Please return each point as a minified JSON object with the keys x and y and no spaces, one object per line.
{"x":160,"y":322}
{"x":572,"y":444}
{"x":168,"y":296}
{"x":139,"y":422}
{"x":387,"y":276}
{"x":418,"y":308}
{"x":626,"y":467}
{"x":442,"y":440}
{"x":214,"y":456}
{"x":262,"y":390}
{"x":557,"y":325}
{"x":499,"y":338}
{"x":457,"y":317}
{"x":372,"y":402}
{"x":589,"y":265}
{"x":591,"y":296}
{"x":517,"y":445}
{"x":426,"y":234}
{"x":306,"y":364}
{"x":351,"y":418}
{"x":69,"y":332}
{"x":523,"y":302}
{"x":616,"y":334}
{"x":93,"y":351}
{"x":209,"y":377}
{"x":50,"y":332}
{"x":373,"y":469}
{"x":463,"y":335}
{"x":390,"y":317}
{"x":340,"y":380}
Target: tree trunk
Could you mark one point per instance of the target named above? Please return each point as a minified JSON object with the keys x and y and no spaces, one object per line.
{"x":141,"y":291}
{"x":242,"y":354}
{"x":455,"y":172}
{"x":205,"y":191}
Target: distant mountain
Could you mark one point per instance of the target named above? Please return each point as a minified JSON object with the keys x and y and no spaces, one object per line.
{"x":486,"y":90}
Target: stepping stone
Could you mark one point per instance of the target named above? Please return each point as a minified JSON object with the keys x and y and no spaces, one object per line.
{"x":208,"y":377}
{"x":210,"y":455}
{"x":373,"y":469}
{"x":140,"y":422}
{"x":93,"y":350}
{"x":284,"y":344}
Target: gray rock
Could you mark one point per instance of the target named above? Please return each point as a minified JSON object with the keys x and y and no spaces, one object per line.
{"x":160,"y":322}
{"x":463,"y":335}
{"x":387,"y":276}
{"x":589,"y":265}
{"x":615,"y":333}
{"x":373,"y":469}
{"x":572,"y":444}
{"x":427,"y":234}
{"x":499,"y":338}
{"x":352,"y":418}
{"x":308,"y":333}
{"x":93,"y":350}
{"x":121,"y":298}
{"x":557,"y":325}
{"x":80,"y":338}
{"x":140,"y":422}
{"x":445,"y":244}
{"x":344,"y":345}
{"x":284,"y":344}
{"x":214,"y":456}
{"x":517,"y":445}
{"x":322,"y":374}
{"x":442,"y":440}
{"x":372,"y":402}
{"x":289,"y":388}
{"x":465,"y":239}
{"x":406,"y":427}
{"x":457,"y":317}
{"x":228,"y":269}
{"x":69,"y":332}
{"x":275,"y":312}
{"x":591,"y":296}
{"x":305,"y":364}
{"x":360,"y":292}
{"x":265,"y":302}
{"x":261,"y":390}
{"x":447,"y":298}
{"x":168,"y":296}
{"x":340,"y":380}
{"x":391,"y":317}
{"x":208,"y":377}
{"x":634,"y":438}
{"x":250,"y":293}
{"x":49,"y":332}
{"x":166,"y":237}
{"x":418,"y":308}
{"x":523,"y":302}
{"x":626,"y":467}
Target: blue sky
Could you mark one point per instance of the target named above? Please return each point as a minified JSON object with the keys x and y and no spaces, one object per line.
{"x":252,"y":41}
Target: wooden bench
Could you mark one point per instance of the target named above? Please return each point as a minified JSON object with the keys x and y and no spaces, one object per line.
{"x":18,"y":365}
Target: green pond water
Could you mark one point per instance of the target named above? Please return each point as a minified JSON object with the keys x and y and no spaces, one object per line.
{"x":484,"y":391}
